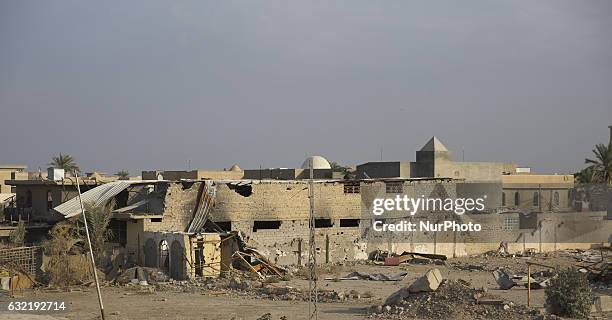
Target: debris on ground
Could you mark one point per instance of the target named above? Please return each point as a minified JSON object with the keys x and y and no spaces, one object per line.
{"x":503,"y":279}
{"x":267,"y":316}
{"x":245,"y":284}
{"x":391,"y":259}
{"x":452,"y":300}
{"x":430,"y":281}
{"x":141,"y":275}
{"x":371,"y":276}
{"x":252,"y":260}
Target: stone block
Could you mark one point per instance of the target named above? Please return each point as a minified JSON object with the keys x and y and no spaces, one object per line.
{"x":430,"y":281}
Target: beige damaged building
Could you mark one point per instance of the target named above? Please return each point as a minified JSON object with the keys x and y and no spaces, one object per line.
{"x":159,"y":217}
{"x":159,"y":221}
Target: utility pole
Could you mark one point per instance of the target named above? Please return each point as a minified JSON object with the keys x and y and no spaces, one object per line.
{"x":91,"y":255}
{"x":313,"y":313}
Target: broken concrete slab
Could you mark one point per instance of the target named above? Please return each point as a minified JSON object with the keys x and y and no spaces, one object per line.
{"x":602,"y":304}
{"x":430,"y":281}
{"x":503,"y":279}
{"x":397,"y":297}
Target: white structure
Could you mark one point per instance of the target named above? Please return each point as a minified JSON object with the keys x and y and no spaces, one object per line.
{"x":318,"y":162}
{"x":55,"y":174}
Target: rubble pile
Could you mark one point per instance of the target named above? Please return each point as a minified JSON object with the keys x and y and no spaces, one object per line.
{"x":141,"y":275}
{"x":238,"y":284}
{"x":451,"y":300}
{"x":595,"y":263}
{"x":433,"y":297}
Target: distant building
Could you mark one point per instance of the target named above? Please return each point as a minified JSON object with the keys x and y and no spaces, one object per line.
{"x":233,"y":173}
{"x":434,"y":160}
{"x":517,"y":187}
{"x":11,"y":172}
{"x":321,"y":170}
{"x":36,"y":198}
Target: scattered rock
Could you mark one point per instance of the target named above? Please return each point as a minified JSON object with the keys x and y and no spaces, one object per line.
{"x":267,"y":316}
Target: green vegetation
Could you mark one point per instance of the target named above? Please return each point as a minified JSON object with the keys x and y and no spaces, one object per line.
{"x":569,"y":295}
{"x":123,"y":175}
{"x":339,"y":168}
{"x":17,"y":236}
{"x":98,"y":219}
{"x":601,"y":166}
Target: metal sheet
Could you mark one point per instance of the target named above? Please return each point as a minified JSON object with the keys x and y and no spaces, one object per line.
{"x":133,"y":206}
{"x":98,"y":195}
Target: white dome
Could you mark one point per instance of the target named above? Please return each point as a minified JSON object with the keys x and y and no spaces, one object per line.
{"x":318,"y":162}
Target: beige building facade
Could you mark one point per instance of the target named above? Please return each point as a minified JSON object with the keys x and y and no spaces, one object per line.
{"x":11,"y":172}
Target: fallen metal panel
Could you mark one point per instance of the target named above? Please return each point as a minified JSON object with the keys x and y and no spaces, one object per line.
{"x":98,"y":195}
{"x":204,"y":205}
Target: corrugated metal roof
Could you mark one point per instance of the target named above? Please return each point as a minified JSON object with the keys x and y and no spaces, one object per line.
{"x":133,"y":206}
{"x":98,"y":195}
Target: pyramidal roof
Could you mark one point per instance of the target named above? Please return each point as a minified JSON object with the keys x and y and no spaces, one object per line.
{"x":434,"y":145}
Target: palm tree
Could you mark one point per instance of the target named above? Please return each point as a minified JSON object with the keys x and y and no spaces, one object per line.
{"x":98,"y":219}
{"x":587,"y":175}
{"x":123,"y":175}
{"x":603,"y":161}
{"x":66,"y":162}
{"x":338,"y":167}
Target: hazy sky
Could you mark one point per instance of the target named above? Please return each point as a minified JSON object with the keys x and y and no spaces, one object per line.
{"x":144,"y":85}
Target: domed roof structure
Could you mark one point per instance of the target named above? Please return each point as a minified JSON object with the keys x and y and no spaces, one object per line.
{"x":318,"y":162}
{"x":235,"y":168}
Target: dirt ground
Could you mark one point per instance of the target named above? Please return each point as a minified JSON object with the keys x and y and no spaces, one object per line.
{"x":127,"y":303}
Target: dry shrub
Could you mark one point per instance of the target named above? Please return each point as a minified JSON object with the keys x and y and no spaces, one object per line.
{"x":17,"y":236}
{"x":68,"y":271}
{"x":64,"y":269}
